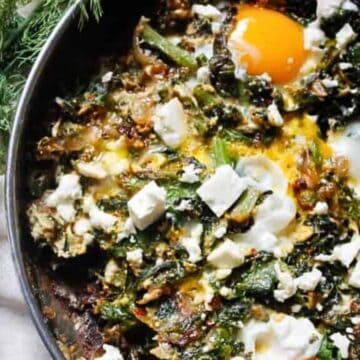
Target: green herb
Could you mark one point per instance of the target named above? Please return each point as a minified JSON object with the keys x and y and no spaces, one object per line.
{"x":175,"y":53}
{"x":349,"y":203}
{"x":245,"y":205}
{"x":259,"y":280}
{"x":316,"y":154}
{"x":21,"y":39}
{"x":115,"y":313}
{"x":221,"y":154}
{"x":237,"y":135}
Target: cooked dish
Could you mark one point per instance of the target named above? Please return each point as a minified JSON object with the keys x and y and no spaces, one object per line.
{"x":210,"y":178}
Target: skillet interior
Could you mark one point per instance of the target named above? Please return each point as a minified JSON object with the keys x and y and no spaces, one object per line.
{"x":69,"y":59}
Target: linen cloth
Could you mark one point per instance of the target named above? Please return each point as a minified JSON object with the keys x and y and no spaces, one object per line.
{"x":19,"y":339}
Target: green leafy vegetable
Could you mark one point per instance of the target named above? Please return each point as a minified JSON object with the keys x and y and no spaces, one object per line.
{"x":245,"y":205}
{"x":221,"y":154}
{"x":175,"y":53}
{"x":328,"y":351}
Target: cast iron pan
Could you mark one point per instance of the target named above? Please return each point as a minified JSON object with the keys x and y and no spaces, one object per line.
{"x":69,"y":59}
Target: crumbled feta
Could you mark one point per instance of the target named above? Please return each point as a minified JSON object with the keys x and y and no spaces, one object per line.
{"x":345,"y":253}
{"x":220,"y":232}
{"x":354,"y":279}
{"x":321,"y":208}
{"x":147,"y":205}
{"x":206,"y":50}
{"x":190,"y":174}
{"x":329,"y":83}
{"x":309,"y":280}
{"x":283,"y":337}
{"x":222,"y":189}
{"x":184,"y":205}
{"x":203,"y":74}
{"x":314,"y":37}
{"x":169,"y":122}
{"x":342,"y":343}
{"x":345,"y":66}
{"x":106,"y":78}
{"x":111,"y":269}
{"x":63,"y":197}
{"x":135,"y":257}
{"x":82,"y":226}
{"x":227,"y":255}
{"x":191,"y":241}
{"x":206,"y":11}
{"x":274,"y":116}
{"x":286,"y":287}
{"x":111,"y":353}
{"x":327,"y":8}
{"x":345,"y":36}
{"x":92,"y":170}
{"x":98,"y":218}
{"x":225,"y":291}
{"x":128,"y":229}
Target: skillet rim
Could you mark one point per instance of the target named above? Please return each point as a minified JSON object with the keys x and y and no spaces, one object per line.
{"x":11,"y":179}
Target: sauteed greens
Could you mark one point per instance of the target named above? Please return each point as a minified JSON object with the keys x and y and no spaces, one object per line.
{"x":212,"y":176}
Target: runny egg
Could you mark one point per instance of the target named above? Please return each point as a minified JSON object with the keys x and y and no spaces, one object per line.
{"x":265,"y":41}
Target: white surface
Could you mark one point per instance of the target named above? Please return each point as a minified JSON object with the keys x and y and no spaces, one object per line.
{"x":18,"y":337}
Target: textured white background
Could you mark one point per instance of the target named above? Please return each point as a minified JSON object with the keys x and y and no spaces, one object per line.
{"x":19,"y":339}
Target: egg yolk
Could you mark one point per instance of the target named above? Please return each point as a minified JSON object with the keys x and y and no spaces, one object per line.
{"x":266,"y":41}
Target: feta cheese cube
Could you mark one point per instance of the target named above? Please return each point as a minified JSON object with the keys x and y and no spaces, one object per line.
{"x":147,"y":206}
{"x":354,"y":279}
{"x":222,"y":189}
{"x":321,"y":208}
{"x":287,"y":285}
{"x":227,"y":255}
{"x":192,"y":240}
{"x":345,"y":36}
{"x":169,"y":123}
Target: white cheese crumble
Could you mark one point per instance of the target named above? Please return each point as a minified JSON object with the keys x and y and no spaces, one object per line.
{"x":342,"y":343}
{"x":147,"y":205}
{"x":135,"y":257}
{"x":327,"y":8}
{"x":203,"y":74}
{"x":206,"y":11}
{"x":345,"y":253}
{"x":321,"y":208}
{"x":274,"y":116}
{"x":107,"y":77}
{"x":286,"y":287}
{"x":309,"y":280}
{"x":191,"y":241}
{"x":220,"y":232}
{"x":184,"y":205}
{"x":313,"y":37}
{"x":329,"y":83}
{"x":111,"y":353}
{"x":354,"y":279}
{"x":63,"y":197}
{"x":283,"y":337}
{"x":99,"y":219}
{"x":128,"y":229}
{"x":227,"y":255}
{"x":169,"y":122}
{"x":110,"y":271}
{"x":190,"y":174}
{"x":222,"y":189}
{"x":345,"y":36}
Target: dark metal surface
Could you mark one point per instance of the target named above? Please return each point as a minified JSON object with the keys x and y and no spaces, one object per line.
{"x":68,"y":57}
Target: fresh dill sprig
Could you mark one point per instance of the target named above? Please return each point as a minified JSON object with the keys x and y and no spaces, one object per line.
{"x":21,"y":39}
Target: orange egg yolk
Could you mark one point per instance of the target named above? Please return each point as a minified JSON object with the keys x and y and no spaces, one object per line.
{"x":266,"y":41}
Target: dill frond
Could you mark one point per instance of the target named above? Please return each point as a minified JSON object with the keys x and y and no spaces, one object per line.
{"x":21,"y":40}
